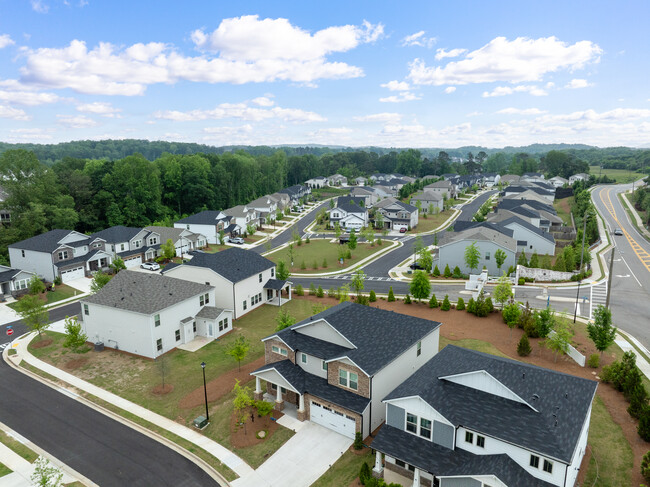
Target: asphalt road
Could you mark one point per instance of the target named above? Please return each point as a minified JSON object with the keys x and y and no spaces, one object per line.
{"x":630,"y":295}
{"x":104,"y":450}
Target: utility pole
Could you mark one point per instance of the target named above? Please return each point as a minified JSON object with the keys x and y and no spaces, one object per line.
{"x":609,"y":280}
{"x":582,"y":254}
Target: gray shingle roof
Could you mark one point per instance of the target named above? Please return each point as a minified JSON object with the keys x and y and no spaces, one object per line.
{"x":77,"y":260}
{"x":537,"y":231}
{"x":118,"y":233}
{"x":145,"y":293}
{"x":234,"y":264}
{"x":481,"y":233}
{"x":209,"y":312}
{"x":305,"y":382}
{"x":45,"y":242}
{"x":379,"y":335}
{"x":207,"y":217}
{"x":444,"y":462}
{"x":8,"y":275}
{"x":554,"y":395}
{"x":351,"y":204}
{"x":276,"y":284}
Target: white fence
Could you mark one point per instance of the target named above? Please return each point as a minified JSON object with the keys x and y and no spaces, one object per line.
{"x":574,"y":354}
{"x":476,"y":283}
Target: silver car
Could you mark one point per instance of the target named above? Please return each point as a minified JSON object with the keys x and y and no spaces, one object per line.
{"x":151,"y":266}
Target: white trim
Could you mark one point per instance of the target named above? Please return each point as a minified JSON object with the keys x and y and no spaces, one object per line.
{"x":293,"y":389}
{"x":348,"y":358}
{"x":308,"y":323}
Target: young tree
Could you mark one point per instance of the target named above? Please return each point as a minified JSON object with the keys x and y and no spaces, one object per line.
{"x":523,"y":348}
{"x":460,"y":305}
{"x":433,"y":301}
{"x":222,"y":237}
{"x":601,"y":331}
{"x":118,"y":265}
{"x":523,"y":260}
{"x":35,"y":286}
{"x":472,"y":256}
{"x":373,"y":296}
{"x":436,"y":271}
{"x":561,"y":339}
{"x":446,"y":305}
{"x":344,"y":293}
{"x":284,"y":320}
{"x":281,"y":271}
{"x":559,"y":264}
{"x":426,"y":260}
{"x":239,"y":349}
{"x":534,"y":261}
{"x":391,"y":296}
{"x":168,"y":250}
{"x":33,"y":312}
{"x":357,"y":281}
{"x":100,"y":279}
{"x":250,"y":229}
{"x":319,"y":292}
{"x":242,"y":401}
{"x":75,"y":338}
{"x":352,"y":243}
{"x":503,"y":290}
{"x":500,"y":257}
{"x":447,"y":272}
{"x":510,"y":315}
{"x":420,"y":286}
{"x":545,"y":322}
{"x":45,"y":474}
{"x":337,"y":229}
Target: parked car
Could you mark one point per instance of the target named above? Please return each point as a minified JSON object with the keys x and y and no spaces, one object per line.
{"x":618,"y":231}
{"x":150,"y":266}
{"x":416,"y":266}
{"x":402,"y":230}
{"x":237,"y":240}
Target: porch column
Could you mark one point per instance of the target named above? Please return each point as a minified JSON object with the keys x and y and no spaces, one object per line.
{"x":258,"y":395}
{"x":302,"y":414}
{"x":379,"y":468}
{"x":416,"y":478}
{"x":279,"y":403}
{"x":289,"y":287}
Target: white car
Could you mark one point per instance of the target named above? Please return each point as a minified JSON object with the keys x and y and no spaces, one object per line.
{"x":151,"y":266}
{"x":237,"y":240}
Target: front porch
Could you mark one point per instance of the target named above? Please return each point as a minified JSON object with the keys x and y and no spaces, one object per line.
{"x":277,"y":292}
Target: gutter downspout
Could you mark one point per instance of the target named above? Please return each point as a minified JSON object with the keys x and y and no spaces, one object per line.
{"x":234,"y":301}
{"x":370,"y":418}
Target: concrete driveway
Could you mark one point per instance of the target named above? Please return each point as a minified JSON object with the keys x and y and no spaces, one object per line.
{"x":302,"y":459}
{"x":82,"y":284}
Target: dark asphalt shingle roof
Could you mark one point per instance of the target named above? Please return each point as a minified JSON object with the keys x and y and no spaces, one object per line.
{"x":313,"y":346}
{"x":276,"y":284}
{"x":523,"y":223}
{"x":305,"y":382}
{"x":537,"y":205}
{"x":9,"y":274}
{"x":118,"y":233}
{"x":207,"y":217}
{"x":45,"y":242}
{"x":554,"y":395}
{"x":209,"y":312}
{"x":351,"y":204}
{"x":459,"y":226}
{"x":145,"y":293}
{"x":378,"y":335}
{"x":77,"y":260}
{"x":234,"y":264}
{"x":444,"y":462}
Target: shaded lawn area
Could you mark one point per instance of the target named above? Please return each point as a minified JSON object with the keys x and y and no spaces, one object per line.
{"x":18,"y":447}
{"x":213,"y":248}
{"x":318,"y":250}
{"x":563,"y":208}
{"x":431,"y":222}
{"x":622,"y":176}
{"x":345,"y":470}
{"x":61,"y":292}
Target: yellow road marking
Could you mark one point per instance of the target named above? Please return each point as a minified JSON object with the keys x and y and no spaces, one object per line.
{"x":643,"y":256}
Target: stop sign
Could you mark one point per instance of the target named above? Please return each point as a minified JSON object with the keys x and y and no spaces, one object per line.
{"x":10,"y":331}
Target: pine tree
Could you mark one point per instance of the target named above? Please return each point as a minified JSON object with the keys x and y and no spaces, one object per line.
{"x":433,"y":302}
{"x":436,"y":271}
{"x":319,"y":292}
{"x":373,"y":297}
{"x":471,"y":306}
{"x":407,"y":299}
{"x":447,"y":271}
{"x":534,"y":261}
{"x":523,"y":348}
{"x":644,"y":424}
{"x":446,"y":305}
{"x":457,"y":273}
{"x":391,"y":296}
{"x":638,"y":401}
{"x":461,"y":304}
{"x":559,"y":264}
{"x":523,"y":260}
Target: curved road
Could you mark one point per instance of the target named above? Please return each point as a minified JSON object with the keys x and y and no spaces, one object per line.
{"x":630,"y":292}
{"x":106,"y":451}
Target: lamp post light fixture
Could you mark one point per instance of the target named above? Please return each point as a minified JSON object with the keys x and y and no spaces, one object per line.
{"x":205,"y":391}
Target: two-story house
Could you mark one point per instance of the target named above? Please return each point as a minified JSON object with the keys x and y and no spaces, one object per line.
{"x":243,"y":216}
{"x":209,"y":223}
{"x":337,"y":180}
{"x":132,"y":245}
{"x":295,"y":193}
{"x":184,"y":240}
{"x":317,"y":182}
{"x":60,"y":253}
{"x":472,"y":419}
{"x":266,"y":208}
{"x":578,"y":177}
{"x":13,"y":282}
{"x":150,"y":314}
{"x":349,"y":212}
{"x":244,"y":280}
{"x":338,"y":365}
{"x":397,"y":214}
{"x":430,"y":201}
{"x":444,"y":188}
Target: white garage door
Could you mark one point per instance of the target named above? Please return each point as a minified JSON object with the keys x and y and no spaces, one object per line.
{"x":72,"y":274}
{"x":135,"y":261}
{"x":332,"y":419}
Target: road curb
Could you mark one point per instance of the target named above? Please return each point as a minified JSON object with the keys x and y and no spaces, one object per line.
{"x":70,"y":392}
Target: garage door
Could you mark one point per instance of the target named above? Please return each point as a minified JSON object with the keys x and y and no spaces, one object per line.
{"x":135,"y":261}
{"x":334,"y":420}
{"x":72,"y":274}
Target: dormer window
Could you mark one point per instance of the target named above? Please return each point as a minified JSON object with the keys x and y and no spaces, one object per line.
{"x":153,"y":240}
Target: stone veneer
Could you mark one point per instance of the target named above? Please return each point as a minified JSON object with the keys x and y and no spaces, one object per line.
{"x":270,"y":356}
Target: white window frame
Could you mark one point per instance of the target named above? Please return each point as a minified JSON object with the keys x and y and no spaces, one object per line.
{"x":159,"y":345}
{"x":156,"y":320}
{"x":534,"y":461}
{"x":63,"y":254}
{"x":480,"y":441}
{"x":303,"y":358}
{"x":413,"y":423}
{"x":177,"y":335}
{"x":469,"y":437}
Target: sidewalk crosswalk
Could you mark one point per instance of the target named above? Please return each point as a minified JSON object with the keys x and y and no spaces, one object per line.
{"x":347,"y":277}
{"x":598,"y":296}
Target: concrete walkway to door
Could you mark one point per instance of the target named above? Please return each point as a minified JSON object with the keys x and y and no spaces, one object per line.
{"x":301,"y":460}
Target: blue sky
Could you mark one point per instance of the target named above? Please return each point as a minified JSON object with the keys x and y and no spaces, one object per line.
{"x":392,"y":74}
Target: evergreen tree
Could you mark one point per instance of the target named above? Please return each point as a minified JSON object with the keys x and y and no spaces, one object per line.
{"x":407,"y":299}
{"x":446,"y":305}
{"x":457,"y":274}
{"x":420,"y":286}
{"x":559,"y":264}
{"x":433,"y":302}
{"x":436,"y":271}
{"x":391,"y":296}
{"x":319,"y":292}
{"x":447,"y":271}
{"x":373,"y":297}
{"x":534,"y":261}
{"x":638,"y":401}
{"x":523,"y":348}
{"x":461,"y":304}
{"x":522,"y":260}
{"x":644,"y":424}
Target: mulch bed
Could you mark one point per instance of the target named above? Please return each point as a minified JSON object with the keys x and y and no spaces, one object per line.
{"x":222,"y":385}
{"x":159,"y":390}
{"x":242,"y":436}
{"x":458,"y":325}
{"x":75,"y":363}
{"x":45,"y":342}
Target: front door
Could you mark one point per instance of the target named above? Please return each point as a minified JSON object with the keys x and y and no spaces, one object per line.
{"x":269,"y":294}
{"x":211,"y":329}
{"x":189,"y":332}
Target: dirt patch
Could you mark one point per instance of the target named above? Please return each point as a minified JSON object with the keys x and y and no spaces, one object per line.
{"x":45,"y":342}
{"x":75,"y":363}
{"x":220,"y":386}
{"x":459,"y":325}
{"x":159,"y":390}
{"x":243,"y":435}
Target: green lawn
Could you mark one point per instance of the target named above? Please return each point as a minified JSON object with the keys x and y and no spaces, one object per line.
{"x":621,"y":176}
{"x":612,"y":457}
{"x":345,"y":470}
{"x":431,"y":222}
{"x":61,"y":292}
{"x":18,"y":447}
{"x":4,"y":470}
{"x":563,"y":208}
{"x":212,"y":248}
{"x":312,"y":255}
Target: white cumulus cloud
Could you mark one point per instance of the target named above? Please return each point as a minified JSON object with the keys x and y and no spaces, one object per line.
{"x":450,"y":89}
{"x":396,"y":85}
{"x":578,"y":83}
{"x":509,"y":90}
{"x":5,"y":40}
{"x":14,"y":113}
{"x":263,"y":101}
{"x":40,"y":6}
{"x":516,"y":61}
{"x":443,"y":53}
{"x":402,"y":97}
{"x":29,"y":98}
{"x":418,"y":39}
{"x":521,"y":111}
{"x":99,"y":108}
{"x":379,"y":117}
{"x":76,"y":122}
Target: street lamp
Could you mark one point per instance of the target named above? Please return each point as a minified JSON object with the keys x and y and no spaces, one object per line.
{"x":205,"y":391}
{"x":582,"y":253}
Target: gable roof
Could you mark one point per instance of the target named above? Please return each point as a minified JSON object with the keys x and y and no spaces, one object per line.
{"x":205,"y":217}
{"x":145,"y":293}
{"x":118,"y":233}
{"x":528,"y":226}
{"x":350,"y":204}
{"x":561,"y":402}
{"x":45,"y":242}
{"x":234,"y":264}
{"x":481,"y":233}
{"x":378,"y":335}
{"x":427,"y":196}
{"x":170,"y":232}
{"x":7,"y":273}
{"x":460,"y":226}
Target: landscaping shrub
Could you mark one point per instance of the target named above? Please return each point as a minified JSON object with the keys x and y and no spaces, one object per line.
{"x":457,"y":273}
{"x":644,"y":424}
{"x":365,"y":473}
{"x":348,"y":254}
{"x":617,"y":372}
{"x":391,"y":296}
{"x":471,"y":306}
{"x":523,"y":348}
{"x":331,"y":293}
{"x":544,"y":322}
{"x":433,"y":302}
{"x":407,"y":299}
{"x":358,"y":445}
{"x":645,"y":466}
{"x":362,"y":299}
{"x":594,"y":361}
{"x":299,"y":290}
{"x":521,"y":281}
{"x":488,"y":303}
{"x":312,"y":289}
{"x":638,"y":401}
{"x":373,"y":297}
{"x":306,"y":240}
{"x":461,"y":304}
{"x":319,"y":292}
{"x":436,"y":271}
{"x":446,"y":305}
{"x":481,"y":308}
{"x":263,"y":408}
{"x":315,"y":265}
{"x":511,"y":313}
{"x":57,"y":281}
{"x":324,"y":263}
{"x":448,"y":271}
{"x":303,"y":266}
